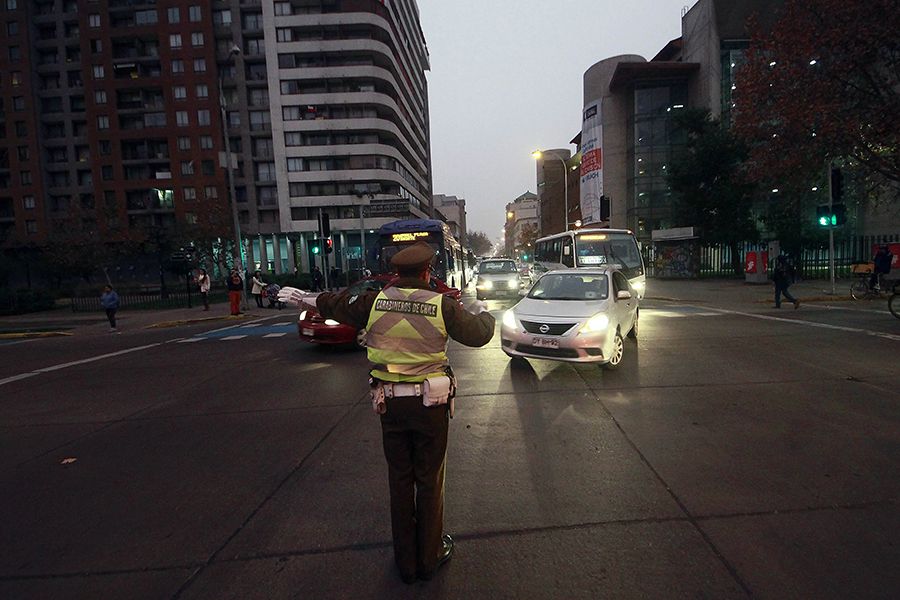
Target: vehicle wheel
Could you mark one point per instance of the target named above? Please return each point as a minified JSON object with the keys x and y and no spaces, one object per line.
{"x":859,"y":290}
{"x":633,"y":334}
{"x":360,"y":339}
{"x":894,"y":304}
{"x":618,"y":352}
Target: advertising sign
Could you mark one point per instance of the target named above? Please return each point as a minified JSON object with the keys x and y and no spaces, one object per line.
{"x":591,"y":163}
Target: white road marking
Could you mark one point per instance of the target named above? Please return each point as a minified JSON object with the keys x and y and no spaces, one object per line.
{"x":233,"y":337}
{"x":191,"y":340}
{"x":880,"y":334}
{"x":250,"y":325}
{"x":274,"y":335}
{"x":76,"y":362}
{"x":281,"y":324}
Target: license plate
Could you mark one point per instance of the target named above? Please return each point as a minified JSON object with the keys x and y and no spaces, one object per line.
{"x":545,"y":342}
{"x":309,"y":332}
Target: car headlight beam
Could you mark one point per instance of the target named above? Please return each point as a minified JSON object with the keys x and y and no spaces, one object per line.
{"x":331,"y":322}
{"x":485,"y":284}
{"x":509,"y":319}
{"x":303,"y":315}
{"x":597,"y":323}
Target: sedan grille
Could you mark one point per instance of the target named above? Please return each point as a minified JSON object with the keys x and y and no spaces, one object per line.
{"x":552,"y":328}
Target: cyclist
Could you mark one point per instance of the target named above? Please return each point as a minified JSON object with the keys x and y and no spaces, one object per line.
{"x":882,"y":260}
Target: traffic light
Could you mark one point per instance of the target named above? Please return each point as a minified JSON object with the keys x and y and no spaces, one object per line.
{"x":831,"y":216}
{"x":329,"y":245}
{"x":839,"y":214}
{"x":604,"y":208}
{"x":315,"y":247}
{"x":837,"y":185}
{"x":326,"y":225}
{"x":823,"y":215}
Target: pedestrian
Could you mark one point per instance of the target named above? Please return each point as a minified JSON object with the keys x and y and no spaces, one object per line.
{"x":318,"y":281}
{"x":412,"y":389}
{"x":204,"y":283}
{"x":110,"y":302}
{"x":235,"y":286}
{"x":258,"y":287}
{"x":783,"y":277}
{"x":367,"y":272}
{"x":883,"y":259}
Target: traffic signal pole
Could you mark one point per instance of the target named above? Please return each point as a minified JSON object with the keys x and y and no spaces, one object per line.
{"x":831,"y":227}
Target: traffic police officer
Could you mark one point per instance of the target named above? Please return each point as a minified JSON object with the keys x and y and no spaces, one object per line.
{"x":407,"y":328}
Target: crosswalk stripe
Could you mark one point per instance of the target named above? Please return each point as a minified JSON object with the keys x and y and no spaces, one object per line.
{"x":281,"y":324}
{"x":234,"y":337}
{"x":274,"y":335}
{"x":190,"y":340}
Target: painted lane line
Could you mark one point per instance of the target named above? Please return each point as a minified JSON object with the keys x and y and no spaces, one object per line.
{"x":274,"y":335}
{"x":250,"y":325}
{"x":233,"y":337}
{"x":281,"y":324}
{"x":76,"y":362}
{"x":879,"y":334}
{"x":190,"y":340}
{"x":237,"y":325}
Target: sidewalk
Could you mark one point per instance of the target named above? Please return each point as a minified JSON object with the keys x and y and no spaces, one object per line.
{"x":736,"y":292}
{"x":63,"y":321}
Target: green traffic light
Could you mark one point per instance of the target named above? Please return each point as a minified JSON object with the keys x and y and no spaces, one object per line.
{"x":823,"y":221}
{"x":315,"y":249}
{"x":834,"y":219}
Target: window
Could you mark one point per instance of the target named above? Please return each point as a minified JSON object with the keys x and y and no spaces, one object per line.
{"x":16,"y":78}
{"x":23,"y":153}
{"x":211,"y":191}
{"x":106,"y":172}
{"x":206,"y":142}
{"x":102,"y":122}
{"x":191,"y":218}
{"x":173,"y":16}
{"x":18,"y":102}
{"x":12,"y":28}
{"x":194,"y":14}
{"x":255,"y":46}
{"x":25,"y":177}
{"x":290,"y":113}
{"x":12,"y":4}
{"x":15,"y":53}
{"x":203,"y":117}
{"x":207,"y":167}
{"x":293,"y":138}
{"x":145,"y":17}
{"x":105,"y":147}
{"x":98,"y":71}
{"x":265,"y":171}
{"x":294,"y":164}
{"x":222,"y":17}
{"x":180,"y":92}
{"x":100,"y":96}
{"x":184,"y":143}
{"x":178,"y":66}
{"x":259,"y":120}
{"x":197,"y":39}
{"x":94,"y":20}
{"x":190,"y":193}
{"x":234,"y":119}
{"x":282,"y":8}
{"x":199,"y":65}
{"x":253,"y":21}
{"x":263,"y":147}
{"x":187,"y":167}
{"x":181,"y":118}
{"x":175,"y":40}
{"x":202,"y":90}
{"x":96,"y":46}
{"x":283,"y":34}
{"x":28,"y":202}
{"x":30,"y":226}
{"x":21,"y":129}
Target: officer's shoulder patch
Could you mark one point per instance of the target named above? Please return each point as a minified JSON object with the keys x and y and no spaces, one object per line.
{"x":353,"y":298}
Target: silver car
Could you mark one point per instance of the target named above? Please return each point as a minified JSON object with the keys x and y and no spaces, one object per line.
{"x":575,"y":315}
{"x":497,"y":278}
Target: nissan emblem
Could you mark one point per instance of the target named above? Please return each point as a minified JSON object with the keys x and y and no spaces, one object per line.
{"x":544,"y":328}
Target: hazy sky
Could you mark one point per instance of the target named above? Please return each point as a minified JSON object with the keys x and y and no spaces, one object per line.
{"x":506,"y":78}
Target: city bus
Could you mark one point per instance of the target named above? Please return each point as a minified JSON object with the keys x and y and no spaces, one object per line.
{"x":449,"y":264}
{"x":592,"y":248}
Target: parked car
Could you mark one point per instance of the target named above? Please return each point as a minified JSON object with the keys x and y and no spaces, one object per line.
{"x":313,"y":327}
{"x":573,"y":315}
{"x":496,"y":278}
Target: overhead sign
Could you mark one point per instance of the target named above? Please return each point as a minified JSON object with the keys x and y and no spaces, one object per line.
{"x":408,"y":237}
{"x":591,"y":162}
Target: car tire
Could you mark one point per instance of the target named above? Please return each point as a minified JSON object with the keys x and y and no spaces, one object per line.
{"x":618,"y":354}
{"x":633,"y":334}
{"x":360,"y":339}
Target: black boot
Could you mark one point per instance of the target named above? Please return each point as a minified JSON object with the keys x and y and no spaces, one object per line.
{"x":446,"y":553}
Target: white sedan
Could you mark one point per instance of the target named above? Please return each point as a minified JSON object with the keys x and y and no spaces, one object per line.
{"x":575,"y":315}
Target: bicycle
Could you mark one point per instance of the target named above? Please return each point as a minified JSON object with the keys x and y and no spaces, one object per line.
{"x":861,"y":288}
{"x":894,"y":300}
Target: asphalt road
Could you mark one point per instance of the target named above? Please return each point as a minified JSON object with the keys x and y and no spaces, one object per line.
{"x":738,"y":452}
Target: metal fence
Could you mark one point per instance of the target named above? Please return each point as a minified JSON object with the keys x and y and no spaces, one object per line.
{"x":813,"y":262}
{"x":145,"y":301}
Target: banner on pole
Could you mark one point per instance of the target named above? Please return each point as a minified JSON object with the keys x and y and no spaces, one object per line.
{"x":591,"y":162}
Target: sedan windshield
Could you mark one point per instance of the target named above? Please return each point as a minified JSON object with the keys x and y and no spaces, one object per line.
{"x":497,"y":266}
{"x":564,"y":286}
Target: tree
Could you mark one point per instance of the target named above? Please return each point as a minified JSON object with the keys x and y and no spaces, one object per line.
{"x":478,"y":243}
{"x":528,"y":235}
{"x":824,"y":83}
{"x":708,"y":181}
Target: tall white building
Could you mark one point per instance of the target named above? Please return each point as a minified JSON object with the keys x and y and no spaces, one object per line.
{"x":349,"y":119}
{"x":521,"y":216}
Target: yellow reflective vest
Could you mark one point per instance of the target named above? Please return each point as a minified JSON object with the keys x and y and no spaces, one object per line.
{"x":406,"y":336}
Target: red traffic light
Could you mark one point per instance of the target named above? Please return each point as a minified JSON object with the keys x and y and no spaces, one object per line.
{"x":329,"y":245}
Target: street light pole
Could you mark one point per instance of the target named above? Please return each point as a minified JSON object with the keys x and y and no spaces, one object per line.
{"x":238,"y":246}
{"x":539,"y":154}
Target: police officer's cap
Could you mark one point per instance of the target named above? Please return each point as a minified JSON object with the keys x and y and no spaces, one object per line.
{"x":412,"y":257}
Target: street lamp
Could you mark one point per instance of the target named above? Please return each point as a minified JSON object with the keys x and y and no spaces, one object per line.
{"x":537,"y":155}
{"x":238,"y":247}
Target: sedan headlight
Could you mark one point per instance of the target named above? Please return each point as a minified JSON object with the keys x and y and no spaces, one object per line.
{"x":513,"y":282}
{"x":331,"y":322}
{"x":597,"y":323}
{"x":485,"y":284}
{"x":303,"y":316}
{"x":639,"y":286}
{"x":509,"y":319}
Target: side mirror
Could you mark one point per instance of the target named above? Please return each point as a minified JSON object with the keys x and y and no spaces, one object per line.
{"x":623,"y":295}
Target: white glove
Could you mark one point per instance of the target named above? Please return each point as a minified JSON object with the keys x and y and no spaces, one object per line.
{"x":294,"y":297}
{"x":478,"y":307}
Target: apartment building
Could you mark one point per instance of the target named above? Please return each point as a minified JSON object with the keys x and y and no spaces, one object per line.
{"x":452,"y":211}
{"x":111,"y":109}
{"x":521,"y":219}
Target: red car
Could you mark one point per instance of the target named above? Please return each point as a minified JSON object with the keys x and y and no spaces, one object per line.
{"x":313,"y":327}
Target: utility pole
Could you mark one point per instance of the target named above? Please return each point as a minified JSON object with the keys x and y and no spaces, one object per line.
{"x":238,"y":245}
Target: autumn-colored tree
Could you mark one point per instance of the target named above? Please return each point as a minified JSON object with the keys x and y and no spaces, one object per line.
{"x":822,"y":84}
{"x":528,"y":235}
{"x":478,"y":242}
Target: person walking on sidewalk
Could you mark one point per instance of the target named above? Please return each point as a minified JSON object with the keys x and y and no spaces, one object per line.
{"x":412,"y":389}
{"x":110,"y":302}
{"x":204,"y":283}
{"x":783,"y":277}
{"x":235,"y":286}
{"x":258,"y":286}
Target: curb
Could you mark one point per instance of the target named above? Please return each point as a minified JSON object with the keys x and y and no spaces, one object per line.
{"x":178,"y":323}
{"x":812,"y":299}
{"x":34,"y":334}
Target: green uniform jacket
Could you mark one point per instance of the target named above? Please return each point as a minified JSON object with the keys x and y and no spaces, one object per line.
{"x":462,"y":326}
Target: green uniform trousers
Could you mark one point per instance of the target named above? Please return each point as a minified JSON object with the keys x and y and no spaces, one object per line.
{"x":415,"y":446}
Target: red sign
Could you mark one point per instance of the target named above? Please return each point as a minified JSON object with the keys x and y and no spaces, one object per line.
{"x":893,"y":248}
{"x":750,"y":262}
{"x":592,"y":161}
